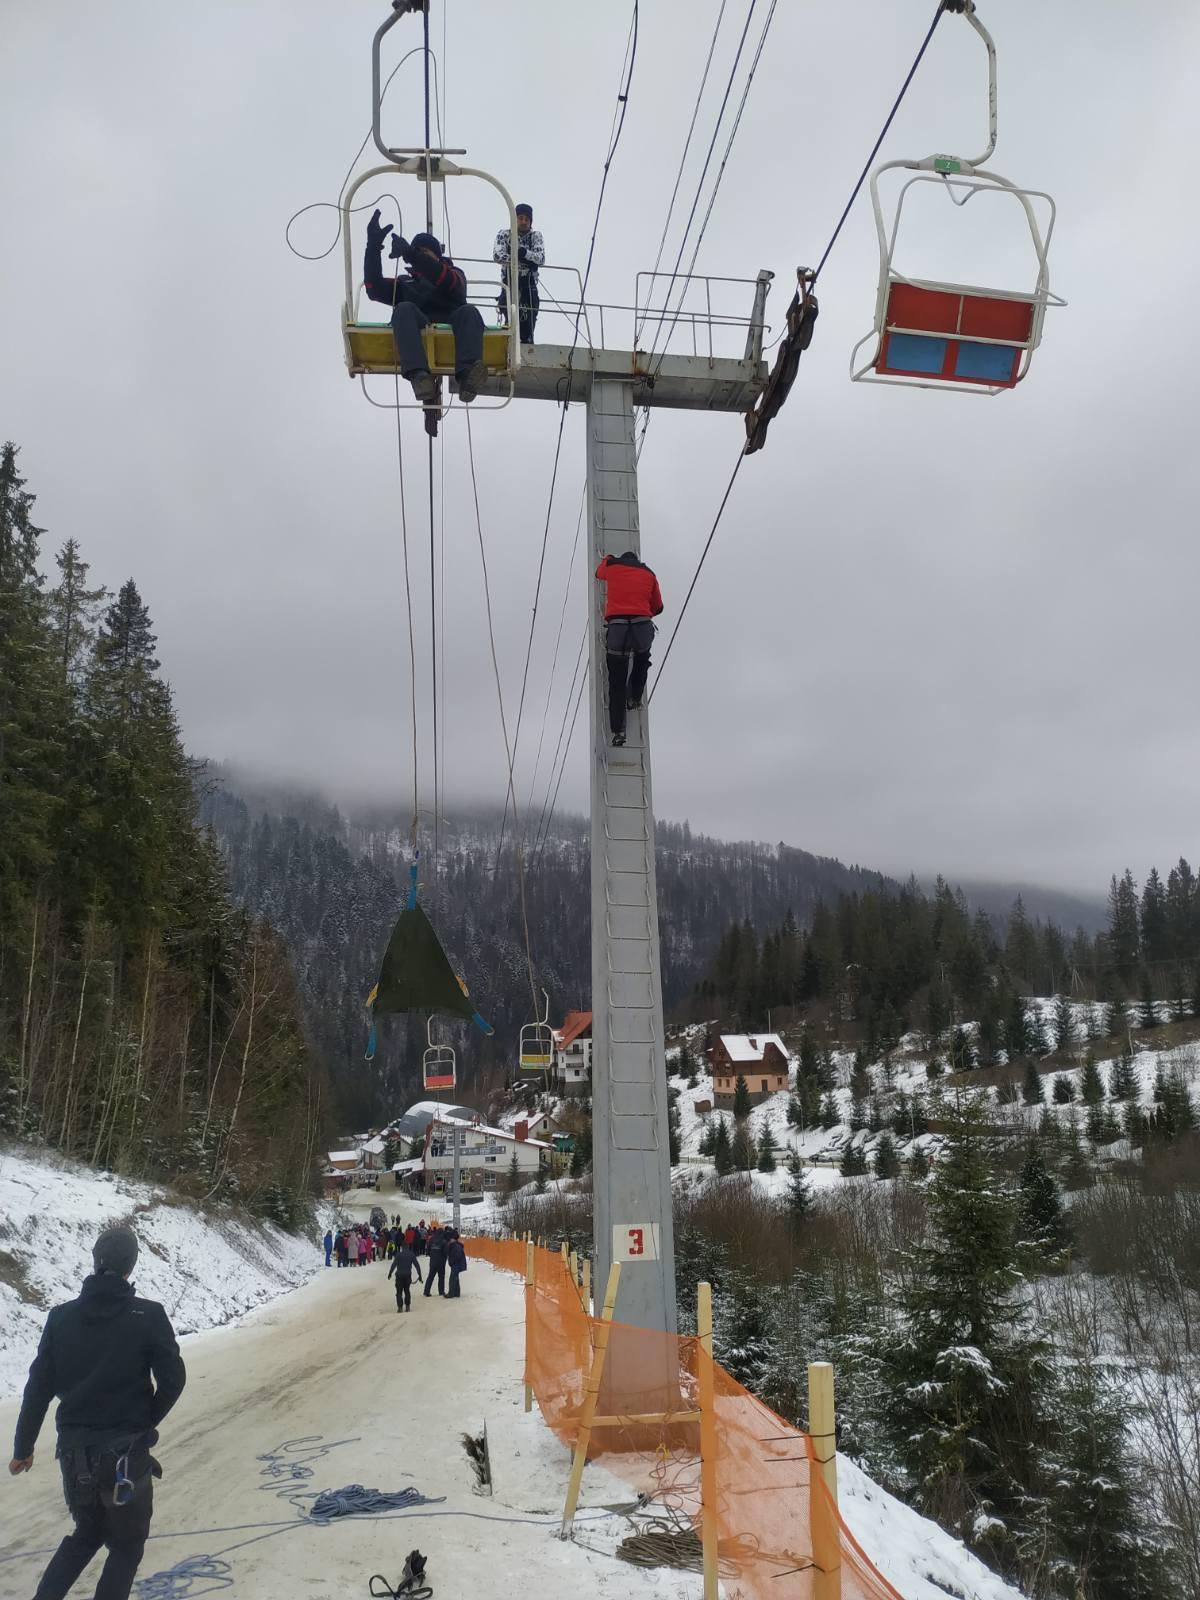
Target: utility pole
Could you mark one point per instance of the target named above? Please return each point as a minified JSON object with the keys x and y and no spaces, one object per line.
{"x":458,"y":1133}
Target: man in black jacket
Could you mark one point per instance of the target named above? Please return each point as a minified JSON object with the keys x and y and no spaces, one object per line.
{"x":432,"y":290}
{"x":439,"y":1242}
{"x":404,"y":1264}
{"x":97,"y":1356}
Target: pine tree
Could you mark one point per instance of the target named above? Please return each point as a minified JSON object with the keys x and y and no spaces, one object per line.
{"x":799,"y":1193}
{"x":723,"y":1150}
{"x":72,"y":610}
{"x":963,"y":1055}
{"x":1115,"y":1021}
{"x":742,"y":1147}
{"x":918,"y":1164}
{"x":766,"y":1151}
{"x":741,"y":1099}
{"x":1064,"y":1023}
{"x":1091,"y":1087}
{"x":968,"y":1384}
{"x":674,"y":1127}
{"x":1147,"y":1010}
{"x":1064,"y":1089}
{"x":1108,"y":1542}
{"x":1041,"y":1221}
{"x":887,"y":1162}
{"x":854,"y":1161}
{"x":1124,"y":938}
{"x":1032,"y":1091}
{"x":829,"y":1113}
{"x":512,"y":1178}
{"x":1123,"y":1079}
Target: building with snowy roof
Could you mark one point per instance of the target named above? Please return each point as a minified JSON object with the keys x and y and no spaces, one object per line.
{"x":485,"y":1155}
{"x":761,"y":1058}
{"x":573,"y":1053}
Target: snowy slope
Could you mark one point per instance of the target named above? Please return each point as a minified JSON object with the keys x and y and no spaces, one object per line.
{"x":205,"y":1268}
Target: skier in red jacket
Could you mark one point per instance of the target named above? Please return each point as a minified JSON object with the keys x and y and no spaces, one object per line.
{"x":632,"y":599}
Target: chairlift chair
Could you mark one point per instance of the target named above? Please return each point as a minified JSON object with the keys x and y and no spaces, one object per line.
{"x":439,"y":1063}
{"x":932,"y":334}
{"x":369,"y":346}
{"x":537,"y":1042}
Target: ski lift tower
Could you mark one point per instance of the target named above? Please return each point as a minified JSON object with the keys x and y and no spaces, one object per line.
{"x":631,"y":1165}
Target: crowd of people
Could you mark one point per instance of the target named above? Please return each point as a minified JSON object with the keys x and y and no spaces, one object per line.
{"x":403,"y":1245}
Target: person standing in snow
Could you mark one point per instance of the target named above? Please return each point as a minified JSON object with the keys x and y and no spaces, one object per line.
{"x":437,"y":1261}
{"x":404,"y":1264}
{"x":632,"y":598}
{"x":456,"y":1260}
{"x":531,"y":254}
{"x":329,"y":1247}
{"x":114,"y":1365}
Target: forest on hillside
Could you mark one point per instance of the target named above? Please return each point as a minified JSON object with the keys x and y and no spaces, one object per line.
{"x":877,"y":962}
{"x":332,"y":884}
{"x":148,"y":1024}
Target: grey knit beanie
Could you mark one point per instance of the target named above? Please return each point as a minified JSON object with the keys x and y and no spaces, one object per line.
{"x":116,"y":1250}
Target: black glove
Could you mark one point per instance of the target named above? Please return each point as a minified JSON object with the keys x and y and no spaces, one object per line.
{"x":375,"y":233}
{"x":399,"y":249}
{"x":521,"y":252}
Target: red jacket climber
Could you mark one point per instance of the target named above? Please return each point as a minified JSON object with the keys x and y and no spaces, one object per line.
{"x":632,"y":598}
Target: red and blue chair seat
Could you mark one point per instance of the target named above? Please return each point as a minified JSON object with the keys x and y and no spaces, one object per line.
{"x":943,"y":330}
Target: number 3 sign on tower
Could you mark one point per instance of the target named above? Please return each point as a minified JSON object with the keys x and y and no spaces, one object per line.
{"x":635,"y":1241}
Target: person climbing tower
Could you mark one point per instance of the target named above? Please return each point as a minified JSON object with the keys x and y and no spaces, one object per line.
{"x":632,"y":598}
{"x":432,"y":290}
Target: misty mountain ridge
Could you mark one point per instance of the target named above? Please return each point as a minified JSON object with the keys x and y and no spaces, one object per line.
{"x":332,"y":881}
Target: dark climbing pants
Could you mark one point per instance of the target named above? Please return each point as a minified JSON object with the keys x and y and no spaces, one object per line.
{"x":403,"y":1294}
{"x":407,"y":322}
{"x":627,"y":636}
{"x":529,"y":306}
{"x":121,"y":1529}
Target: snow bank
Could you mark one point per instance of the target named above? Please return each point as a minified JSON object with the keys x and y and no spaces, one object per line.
{"x":205,"y":1267}
{"x":917,"y":1557}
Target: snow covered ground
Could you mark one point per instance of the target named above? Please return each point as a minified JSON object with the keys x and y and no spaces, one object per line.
{"x":205,"y":1268}
{"x":328,"y":1386}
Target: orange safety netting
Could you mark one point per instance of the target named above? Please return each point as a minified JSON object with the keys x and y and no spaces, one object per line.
{"x":765,"y":1476}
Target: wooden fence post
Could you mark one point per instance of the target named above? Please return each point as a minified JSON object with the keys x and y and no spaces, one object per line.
{"x":590,"y":1398}
{"x":708,"y":1439}
{"x":587,"y":1285}
{"x":822,"y":1508}
{"x":529,"y":1293}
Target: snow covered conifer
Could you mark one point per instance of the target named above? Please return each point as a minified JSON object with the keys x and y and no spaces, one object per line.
{"x":742,"y":1147}
{"x":1064,"y":1090}
{"x":723,"y":1149}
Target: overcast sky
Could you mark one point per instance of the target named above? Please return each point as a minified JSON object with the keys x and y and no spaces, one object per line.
{"x":934,"y":632}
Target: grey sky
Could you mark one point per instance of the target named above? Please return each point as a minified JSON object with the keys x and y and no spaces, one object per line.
{"x":935,"y":632}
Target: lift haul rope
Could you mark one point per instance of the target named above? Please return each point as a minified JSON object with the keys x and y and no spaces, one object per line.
{"x":801,"y":320}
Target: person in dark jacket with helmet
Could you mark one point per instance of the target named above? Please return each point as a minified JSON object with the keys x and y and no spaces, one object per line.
{"x":432,"y":290}
{"x":632,"y":599}
{"x":113,"y":1364}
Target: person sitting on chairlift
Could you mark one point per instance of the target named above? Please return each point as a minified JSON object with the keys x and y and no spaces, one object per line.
{"x":531,"y":254}
{"x":432,"y":290}
{"x":632,"y":599}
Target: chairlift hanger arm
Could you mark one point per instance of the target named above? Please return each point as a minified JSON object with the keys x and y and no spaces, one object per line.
{"x":966,"y":8}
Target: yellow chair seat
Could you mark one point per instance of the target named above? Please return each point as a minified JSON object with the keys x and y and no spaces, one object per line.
{"x":371,"y":348}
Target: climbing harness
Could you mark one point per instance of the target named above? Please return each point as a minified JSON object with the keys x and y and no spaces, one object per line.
{"x":929,"y":333}
{"x":412,"y":1585}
